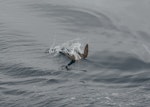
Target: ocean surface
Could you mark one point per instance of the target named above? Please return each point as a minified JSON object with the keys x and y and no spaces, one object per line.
{"x":115,"y":74}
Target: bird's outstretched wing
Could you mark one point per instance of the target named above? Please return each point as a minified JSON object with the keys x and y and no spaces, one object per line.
{"x":86,"y":50}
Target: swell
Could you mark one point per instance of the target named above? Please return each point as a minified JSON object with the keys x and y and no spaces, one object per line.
{"x":10,"y":41}
{"x":118,"y":60}
{"x":20,"y":71}
{"x":115,"y":67}
{"x":74,"y":18}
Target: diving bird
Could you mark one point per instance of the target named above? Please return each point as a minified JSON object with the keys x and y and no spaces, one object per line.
{"x":71,"y":50}
{"x":77,"y":55}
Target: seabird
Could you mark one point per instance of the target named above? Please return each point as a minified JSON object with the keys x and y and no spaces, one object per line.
{"x":76,"y":56}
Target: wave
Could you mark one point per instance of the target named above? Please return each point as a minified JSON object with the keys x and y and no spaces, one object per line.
{"x":74,"y":17}
{"x":21,"y":71}
{"x":118,"y":60}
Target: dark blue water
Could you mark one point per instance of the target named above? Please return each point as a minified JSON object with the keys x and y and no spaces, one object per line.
{"x":115,"y":74}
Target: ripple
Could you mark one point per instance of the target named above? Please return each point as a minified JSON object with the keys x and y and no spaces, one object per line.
{"x":18,"y":70}
{"x":15,"y":92}
{"x":118,"y":60}
{"x":74,"y":18}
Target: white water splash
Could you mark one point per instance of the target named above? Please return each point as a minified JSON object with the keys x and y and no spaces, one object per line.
{"x":72,"y":48}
